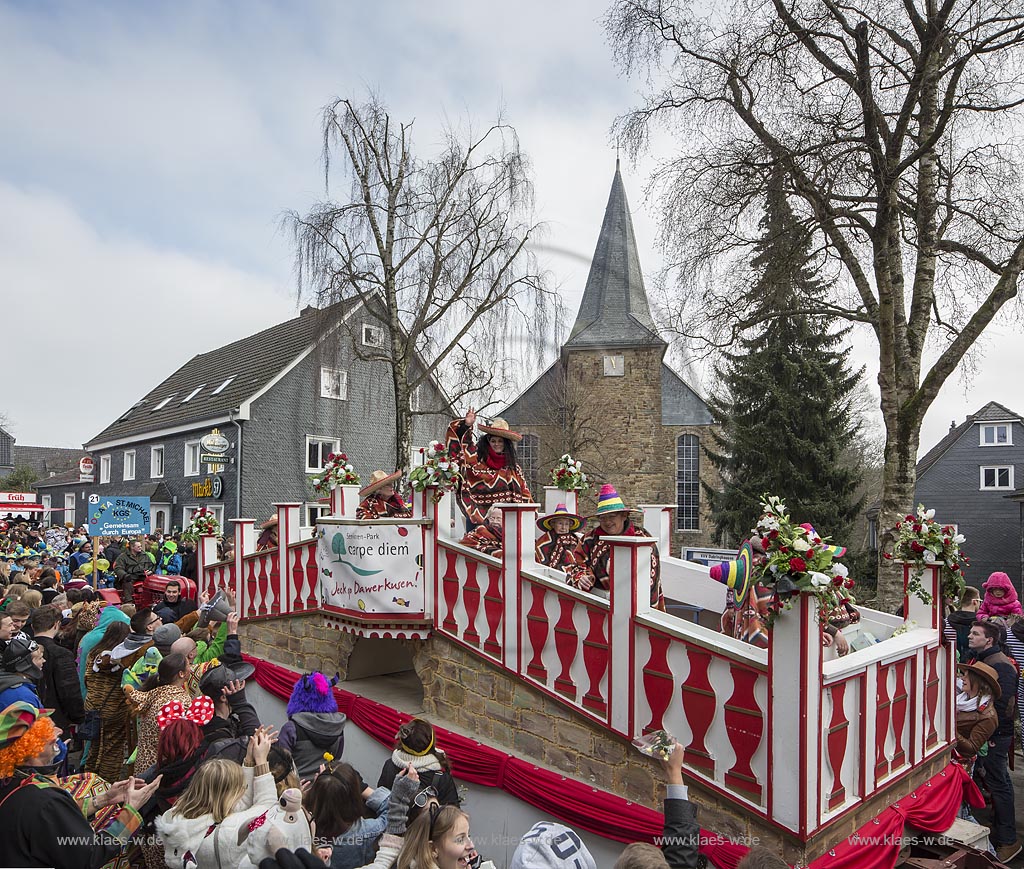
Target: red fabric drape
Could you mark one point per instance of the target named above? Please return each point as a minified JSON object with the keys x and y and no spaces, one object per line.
{"x":931,"y":808}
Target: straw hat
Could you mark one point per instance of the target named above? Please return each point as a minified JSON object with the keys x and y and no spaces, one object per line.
{"x":561,"y":512}
{"x":378,"y":479}
{"x":986,"y":673}
{"x":500,"y":428}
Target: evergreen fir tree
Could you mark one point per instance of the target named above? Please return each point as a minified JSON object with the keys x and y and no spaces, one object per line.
{"x":785,"y":415}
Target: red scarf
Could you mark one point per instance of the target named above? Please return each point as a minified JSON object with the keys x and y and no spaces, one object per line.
{"x":496,"y":461}
{"x":628,"y":531}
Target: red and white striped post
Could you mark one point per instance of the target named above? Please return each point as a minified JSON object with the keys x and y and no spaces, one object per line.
{"x":344,"y":501}
{"x":630,"y":578}
{"x":245,"y":544}
{"x":519,"y":525}
{"x":206,"y":555}
{"x":287,"y":536}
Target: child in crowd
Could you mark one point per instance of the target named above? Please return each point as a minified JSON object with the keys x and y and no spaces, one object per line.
{"x":1000,"y":597}
{"x":416,"y":745}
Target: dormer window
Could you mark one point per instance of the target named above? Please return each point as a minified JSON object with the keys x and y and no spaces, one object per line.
{"x":373,"y":336}
{"x":163,"y":403}
{"x":192,"y":394}
{"x":223,"y":386}
{"x":997,"y":434}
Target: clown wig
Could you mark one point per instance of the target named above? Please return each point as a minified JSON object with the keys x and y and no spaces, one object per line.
{"x":28,"y":745}
{"x":312,"y":693}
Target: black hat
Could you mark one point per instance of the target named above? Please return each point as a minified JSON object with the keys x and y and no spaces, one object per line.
{"x":17,"y":657}
{"x":216,"y":678}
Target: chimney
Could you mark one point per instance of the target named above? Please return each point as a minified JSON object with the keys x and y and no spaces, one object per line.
{"x":952,"y":424}
{"x":309,"y":309}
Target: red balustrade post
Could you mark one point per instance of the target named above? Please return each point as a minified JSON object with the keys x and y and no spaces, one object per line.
{"x":206,"y":555}
{"x":245,"y":543}
{"x":658,"y":523}
{"x":630,"y":578}
{"x":344,"y":501}
{"x":794,"y":715}
{"x":927,"y":615}
{"x":287,"y":536}
{"x":519,"y":535}
{"x":553,"y":496}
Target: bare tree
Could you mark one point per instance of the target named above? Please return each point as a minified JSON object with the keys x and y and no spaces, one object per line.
{"x":890,"y":121}
{"x":438,"y":248}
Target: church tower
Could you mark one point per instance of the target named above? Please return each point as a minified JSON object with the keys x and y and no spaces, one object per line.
{"x":611,"y":401}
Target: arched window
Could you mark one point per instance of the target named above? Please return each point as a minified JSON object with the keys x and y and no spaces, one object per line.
{"x":529,"y":452}
{"x":688,"y":483}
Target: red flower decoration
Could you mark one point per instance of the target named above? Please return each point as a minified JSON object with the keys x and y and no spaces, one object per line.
{"x":797,"y":564}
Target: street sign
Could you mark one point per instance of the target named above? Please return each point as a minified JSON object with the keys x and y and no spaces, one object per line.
{"x":117,"y":516}
{"x":707,"y":555}
{"x":86,"y":466}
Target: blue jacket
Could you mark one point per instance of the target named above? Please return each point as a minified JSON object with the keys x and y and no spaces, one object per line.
{"x":358,"y":845}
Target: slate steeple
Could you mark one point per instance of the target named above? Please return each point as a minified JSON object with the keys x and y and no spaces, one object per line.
{"x":614,"y":311}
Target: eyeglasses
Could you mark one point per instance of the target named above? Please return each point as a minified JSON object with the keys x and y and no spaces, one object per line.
{"x":420,"y":800}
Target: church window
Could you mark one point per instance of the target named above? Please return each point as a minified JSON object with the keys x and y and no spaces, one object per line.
{"x":688,"y":483}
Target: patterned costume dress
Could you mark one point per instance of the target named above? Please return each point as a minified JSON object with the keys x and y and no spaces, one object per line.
{"x":482,"y":484}
{"x":563,"y":552}
{"x":147,"y":705}
{"x":485,"y":539}
{"x":597,"y":552}
{"x":376,"y":506}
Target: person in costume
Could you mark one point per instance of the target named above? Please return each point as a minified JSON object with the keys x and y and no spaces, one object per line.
{"x":43,"y":825}
{"x":489,"y":537}
{"x":380,"y":500}
{"x":490,"y":472}
{"x":559,"y":546}
{"x":613,"y":521}
{"x":315,"y":727}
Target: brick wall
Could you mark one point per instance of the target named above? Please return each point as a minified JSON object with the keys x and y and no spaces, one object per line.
{"x":618,"y":432}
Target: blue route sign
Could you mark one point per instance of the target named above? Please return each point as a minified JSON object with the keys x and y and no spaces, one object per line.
{"x":115,"y":516}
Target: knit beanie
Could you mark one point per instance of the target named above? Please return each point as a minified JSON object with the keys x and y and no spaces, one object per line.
{"x":549,"y":844}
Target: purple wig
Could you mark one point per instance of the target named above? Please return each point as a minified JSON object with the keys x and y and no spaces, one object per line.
{"x":312,"y":693}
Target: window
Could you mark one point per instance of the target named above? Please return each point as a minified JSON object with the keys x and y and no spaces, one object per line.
{"x":687,"y":483}
{"x":156,"y":461}
{"x":317,"y":451}
{"x":997,"y":477}
{"x":333,"y":383}
{"x":160,"y":520}
{"x":415,"y":399}
{"x":69,"y":508}
{"x":193,"y":394}
{"x":188,"y":510}
{"x":192,"y":458}
{"x":997,"y":435}
{"x":104,"y":469}
{"x":416,"y":457}
{"x":163,"y":403}
{"x":528,"y":452}
{"x":373,"y":336}
{"x":314,"y":512}
{"x":47,"y":502}
{"x":129,"y":464}
{"x":221,"y":388}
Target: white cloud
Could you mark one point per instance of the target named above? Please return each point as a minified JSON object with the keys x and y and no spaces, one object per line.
{"x":92,"y":322}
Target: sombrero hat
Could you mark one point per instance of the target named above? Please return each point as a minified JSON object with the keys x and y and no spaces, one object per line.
{"x":608,"y":501}
{"x":736,"y":574}
{"x":561,"y":512}
{"x":377,"y":480}
{"x":500,"y":428}
{"x":985,"y":672}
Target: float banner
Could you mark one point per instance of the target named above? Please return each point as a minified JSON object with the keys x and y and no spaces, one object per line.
{"x":112,"y":516}
{"x":371,"y":569}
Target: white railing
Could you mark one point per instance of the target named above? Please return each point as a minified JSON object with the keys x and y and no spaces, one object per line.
{"x":789,"y":733}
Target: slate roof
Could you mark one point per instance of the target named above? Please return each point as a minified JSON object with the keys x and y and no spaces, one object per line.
{"x":61,"y":479}
{"x":250,"y":363}
{"x":991,"y":411}
{"x":46,"y":460}
{"x":614,"y":311}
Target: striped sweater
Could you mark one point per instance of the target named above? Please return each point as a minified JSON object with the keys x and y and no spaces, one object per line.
{"x":481,"y":485}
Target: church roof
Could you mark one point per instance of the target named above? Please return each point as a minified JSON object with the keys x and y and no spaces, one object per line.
{"x":614,"y":311}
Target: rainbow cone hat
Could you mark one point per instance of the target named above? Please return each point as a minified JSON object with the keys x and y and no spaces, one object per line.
{"x":736,"y":574}
{"x":608,"y":501}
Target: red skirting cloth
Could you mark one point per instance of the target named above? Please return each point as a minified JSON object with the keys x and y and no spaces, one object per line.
{"x":874,"y":846}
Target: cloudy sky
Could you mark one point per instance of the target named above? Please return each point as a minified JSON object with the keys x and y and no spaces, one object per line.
{"x":148,"y":150}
